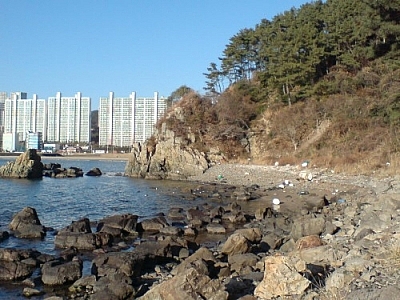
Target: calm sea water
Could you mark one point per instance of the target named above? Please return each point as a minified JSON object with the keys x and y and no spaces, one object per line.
{"x":58,"y":202}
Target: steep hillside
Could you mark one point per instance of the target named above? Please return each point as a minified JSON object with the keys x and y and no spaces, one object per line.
{"x":318,"y":83}
{"x":355,"y":129}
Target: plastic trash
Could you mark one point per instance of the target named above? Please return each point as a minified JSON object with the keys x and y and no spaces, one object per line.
{"x":276,"y":201}
{"x":305,"y":163}
{"x":341,"y":201}
{"x":303,"y":193}
{"x":220,"y":177}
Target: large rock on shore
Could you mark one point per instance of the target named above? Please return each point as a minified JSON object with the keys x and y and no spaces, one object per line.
{"x":79,"y":235}
{"x":170,"y":154}
{"x":27,"y":165}
{"x":58,"y":273}
{"x":281,"y":279}
{"x":127,"y":263}
{"x":193,"y":283}
{"x":16,"y":264}
{"x":94,"y":172}
{"x":119,"y":225}
{"x":168,"y":158}
{"x":26,"y":224}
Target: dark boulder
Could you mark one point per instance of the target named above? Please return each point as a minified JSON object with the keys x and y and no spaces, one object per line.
{"x":17,"y":264}
{"x":26,"y":224}
{"x":198,"y":214}
{"x":63,"y":172}
{"x":74,"y":172}
{"x":127,"y":263}
{"x":153,"y":224}
{"x":58,"y":272}
{"x":119,"y":225}
{"x":94,"y":172}
{"x":82,"y":225}
{"x":168,"y":247}
{"x":11,"y":254}
{"x":82,"y":241}
{"x":115,"y":286}
{"x":176,"y":213}
{"x":4,"y":235}
{"x":79,"y":235}
{"x":14,"y":270}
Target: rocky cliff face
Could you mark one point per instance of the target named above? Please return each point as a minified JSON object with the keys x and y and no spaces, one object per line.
{"x":167,"y":156}
{"x":27,"y":165}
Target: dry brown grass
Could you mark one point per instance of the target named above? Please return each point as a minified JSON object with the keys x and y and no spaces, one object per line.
{"x":355,"y":131}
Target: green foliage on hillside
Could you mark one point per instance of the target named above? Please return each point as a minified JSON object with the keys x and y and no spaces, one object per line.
{"x":320,"y":82}
{"x":296,"y":49}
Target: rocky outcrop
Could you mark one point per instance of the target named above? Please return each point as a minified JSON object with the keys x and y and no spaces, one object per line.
{"x":60,"y":172}
{"x":168,"y":156}
{"x":153,"y":224}
{"x":80,"y":236}
{"x":193,"y":283}
{"x":114,"y":286}
{"x":26,"y":224}
{"x":94,"y":172}
{"x":119,"y":225}
{"x":27,"y":165}
{"x":58,"y":272}
{"x":282,"y":278}
{"x":17,"y":264}
{"x":127,"y":263}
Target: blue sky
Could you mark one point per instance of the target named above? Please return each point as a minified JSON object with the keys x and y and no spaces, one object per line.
{"x":95,"y":47}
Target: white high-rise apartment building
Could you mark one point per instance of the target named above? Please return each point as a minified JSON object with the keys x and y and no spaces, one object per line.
{"x":124,"y":121}
{"x":68,"y":119}
{"x":3,"y":97}
{"x":22,"y":115}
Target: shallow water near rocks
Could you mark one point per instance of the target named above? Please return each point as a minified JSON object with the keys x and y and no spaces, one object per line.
{"x":58,"y":202}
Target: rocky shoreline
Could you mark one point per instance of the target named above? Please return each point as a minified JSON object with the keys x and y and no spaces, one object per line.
{"x":331,"y":237}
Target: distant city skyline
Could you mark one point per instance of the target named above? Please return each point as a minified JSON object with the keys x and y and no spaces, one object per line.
{"x":59,"y":119}
{"x":126,"y":120}
{"x":100,"y":46}
{"x":122,"y":121}
{"x":7,"y":95}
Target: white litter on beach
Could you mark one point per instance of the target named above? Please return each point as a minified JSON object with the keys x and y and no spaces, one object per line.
{"x":276,"y":201}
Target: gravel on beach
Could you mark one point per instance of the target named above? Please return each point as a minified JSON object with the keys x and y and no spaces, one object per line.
{"x":246,"y":175}
{"x":266,"y":176}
